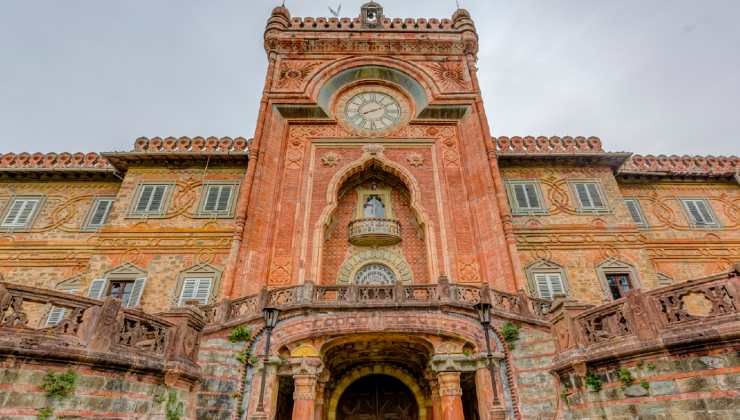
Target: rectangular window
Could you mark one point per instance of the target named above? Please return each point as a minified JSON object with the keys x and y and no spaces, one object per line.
{"x":21,"y":212}
{"x":128,"y":291}
{"x":195,"y":288}
{"x":525,"y":197}
{"x":619,"y":284}
{"x":633,"y":206}
{"x":549,"y":284}
{"x":217,"y":199}
{"x":151,"y":199}
{"x":98,"y":214}
{"x":589,"y":196}
{"x":700,"y":213}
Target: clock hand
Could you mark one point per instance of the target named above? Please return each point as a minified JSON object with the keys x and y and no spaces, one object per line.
{"x":371,"y":110}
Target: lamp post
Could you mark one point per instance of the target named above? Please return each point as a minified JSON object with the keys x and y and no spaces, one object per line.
{"x":484,"y":315}
{"x":270,"y":314}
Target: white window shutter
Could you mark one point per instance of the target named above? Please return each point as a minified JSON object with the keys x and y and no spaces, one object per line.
{"x":593,"y":192}
{"x":556,"y":284}
{"x":203,"y":291}
{"x":15,"y":209}
{"x":188,"y":291}
{"x":97,"y":288}
{"x":704,"y":211}
{"x":136,"y":291}
{"x":56,"y":315}
{"x":540,"y":280}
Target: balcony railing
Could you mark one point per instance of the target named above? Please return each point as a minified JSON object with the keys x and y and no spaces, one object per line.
{"x":374,"y":231}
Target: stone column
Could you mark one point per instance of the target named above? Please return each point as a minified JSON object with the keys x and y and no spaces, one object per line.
{"x":321,"y":395}
{"x":305,"y":371}
{"x":450,"y":395}
{"x":304,"y":397}
{"x":436,"y":413}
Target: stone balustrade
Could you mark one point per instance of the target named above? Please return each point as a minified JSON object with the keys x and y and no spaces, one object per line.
{"x":374,"y":231}
{"x":352,"y":296}
{"x":98,"y":332}
{"x":687,"y":312}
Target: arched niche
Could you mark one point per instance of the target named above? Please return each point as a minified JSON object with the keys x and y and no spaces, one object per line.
{"x":372,"y":72}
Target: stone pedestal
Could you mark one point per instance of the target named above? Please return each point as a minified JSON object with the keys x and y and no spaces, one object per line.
{"x":450,"y":395}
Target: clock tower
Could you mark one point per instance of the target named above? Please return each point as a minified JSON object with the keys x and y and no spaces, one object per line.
{"x":373,"y":108}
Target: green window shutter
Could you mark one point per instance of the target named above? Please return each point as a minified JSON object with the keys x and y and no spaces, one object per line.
{"x":224,"y":198}
{"x":633,"y":206}
{"x":56,"y":315}
{"x":144,"y":198}
{"x":583,"y":196}
{"x":155,"y":204}
{"x":136,"y":292}
{"x":593,"y":192}
{"x":533,"y":199}
{"x":212,"y":194}
{"x":521,"y":196}
{"x":97,"y":288}
{"x":100,"y":213}
{"x":694,"y":212}
{"x":706,"y":215}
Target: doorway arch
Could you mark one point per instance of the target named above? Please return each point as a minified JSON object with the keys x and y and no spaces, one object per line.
{"x":377,"y":397}
{"x":376,"y":370}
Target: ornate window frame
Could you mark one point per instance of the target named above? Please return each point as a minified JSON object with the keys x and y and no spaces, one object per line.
{"x":86,"y":226}
{"x":31,"y":218}
{"x":205,"y":189}
{"x":166,"y":198}
{"x":690,"y":219}
{"x":613,"y":265}
{"x":385,"y":195}
{"x":126,"y":272}
{"x":202,"y":270}
{"x":606,"y":208}
{"x":541,"y":210}
{"x":548,"y":267}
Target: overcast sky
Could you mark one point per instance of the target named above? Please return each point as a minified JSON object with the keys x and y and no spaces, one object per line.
{"x":646,"y":76}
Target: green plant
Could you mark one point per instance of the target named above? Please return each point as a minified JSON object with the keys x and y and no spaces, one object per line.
{"x":625,"y":376}
{"x":59,"y":386}
{"x":593,"y":381}
{"x":510,"y":332}
{"x":45,"y":413}
{"x":651,"y":366}
{"x":240,"y":334}
{"x":246,"y":357}
{"x":175,"y":409}
{"x":645,"y":384}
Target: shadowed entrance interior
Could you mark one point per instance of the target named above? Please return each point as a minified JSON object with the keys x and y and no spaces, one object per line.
{"x":376,"y":397}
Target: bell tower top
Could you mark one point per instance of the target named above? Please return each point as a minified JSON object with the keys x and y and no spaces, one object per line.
{"x":371,"y":14}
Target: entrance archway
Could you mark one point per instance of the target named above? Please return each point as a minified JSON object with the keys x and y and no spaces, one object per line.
{"x":377,"y":397}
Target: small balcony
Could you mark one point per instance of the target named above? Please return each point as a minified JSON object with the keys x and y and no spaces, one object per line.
{"x":374,"y":231}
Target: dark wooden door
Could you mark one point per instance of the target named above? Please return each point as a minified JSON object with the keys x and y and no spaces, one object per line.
{"x":377,"y":397}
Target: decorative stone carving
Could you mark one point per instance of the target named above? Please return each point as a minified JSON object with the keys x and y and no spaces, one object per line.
{"x":294,"y":73}
{"x":373,"y":149}
{"x":415,"y":159}
{"x":330,"y":159}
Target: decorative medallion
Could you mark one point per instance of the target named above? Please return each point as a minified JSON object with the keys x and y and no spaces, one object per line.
{"x":450,"y":75}
{"x":373,"y":149}
{"x":294,"y":73}
{"x":372,"y":110}
{"x":414,"y":159}
{"x":330,"y":159}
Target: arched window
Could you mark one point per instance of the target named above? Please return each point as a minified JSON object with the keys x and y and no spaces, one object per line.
{"x":373,"y":207}
{"x":375,"y":274}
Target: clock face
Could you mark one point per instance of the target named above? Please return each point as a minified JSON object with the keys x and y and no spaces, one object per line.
{"x":372,"y":111}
